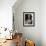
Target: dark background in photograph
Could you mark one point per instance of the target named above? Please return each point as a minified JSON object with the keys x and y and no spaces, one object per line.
{"x":27,"y":18}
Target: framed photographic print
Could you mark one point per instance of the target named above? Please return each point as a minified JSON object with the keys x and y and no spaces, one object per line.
{"x":28,"y":19}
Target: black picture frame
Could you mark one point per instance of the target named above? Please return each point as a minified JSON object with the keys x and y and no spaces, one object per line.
{"x":28,"y":19}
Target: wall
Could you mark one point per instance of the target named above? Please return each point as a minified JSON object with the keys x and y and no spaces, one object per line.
{"x":43,"y":22}
{"x":37,"y":33}
{"x":33,"y":33}
{"x":6,"y":13}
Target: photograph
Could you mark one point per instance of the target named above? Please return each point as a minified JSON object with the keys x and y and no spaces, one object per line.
{"x":28,"y":18}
